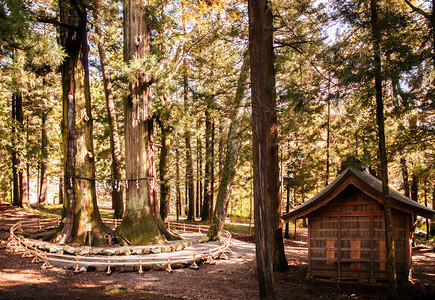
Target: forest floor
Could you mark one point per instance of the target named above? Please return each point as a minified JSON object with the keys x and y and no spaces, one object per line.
{"x":227,"y":279}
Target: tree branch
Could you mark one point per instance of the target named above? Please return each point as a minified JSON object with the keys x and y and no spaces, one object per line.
{"x":55,"y":22}
{"x":417,"y":9}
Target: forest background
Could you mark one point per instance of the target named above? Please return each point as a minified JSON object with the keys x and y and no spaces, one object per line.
{"x":324,"y":86}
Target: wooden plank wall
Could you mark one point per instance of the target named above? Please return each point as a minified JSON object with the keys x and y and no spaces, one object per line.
{"x":347,"y":239}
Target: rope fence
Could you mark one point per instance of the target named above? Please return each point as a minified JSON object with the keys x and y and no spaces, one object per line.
{"x":107,"y":263}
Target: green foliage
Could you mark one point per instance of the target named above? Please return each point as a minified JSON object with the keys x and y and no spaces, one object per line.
{"x":323,"y":55}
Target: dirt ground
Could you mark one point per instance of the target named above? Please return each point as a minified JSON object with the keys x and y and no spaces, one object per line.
{"x":227,"y":279}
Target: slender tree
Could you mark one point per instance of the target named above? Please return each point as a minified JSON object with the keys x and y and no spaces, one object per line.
{"x":207,"y":205}
{"x":376,"y":40}
{"x":165,"y":188}
{"x":118,"y":191}
{"x":231,"y":156}
{"x":42,"y":199}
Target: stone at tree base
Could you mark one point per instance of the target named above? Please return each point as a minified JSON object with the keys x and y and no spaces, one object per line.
{"x":146,"y":250}
{"x":178,"y":247}
{"x":97,"y":251}
{"x":109,"y":251}
{"x":156,"y":250}
{"x":43,"y":247}
{"x":82,"y":251}
{"x":123,"y":251}
{"x":69,"y":250}
{"x":165,"y":249}
{"x":136,"y":251}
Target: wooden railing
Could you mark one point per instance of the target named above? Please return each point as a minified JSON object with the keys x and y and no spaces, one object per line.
{"x":135,"y":262}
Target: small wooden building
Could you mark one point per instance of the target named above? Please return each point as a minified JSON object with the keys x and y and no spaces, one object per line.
{"x":346,"y":228}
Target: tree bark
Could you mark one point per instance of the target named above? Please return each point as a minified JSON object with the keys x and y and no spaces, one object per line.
{"x":231,"y":157}
{"x":287,"y":209}
{"x":328,"y":139}
{"x":177,"y":183}
{"x":426,"y":204}
{"x":142,"y":223}
{"x":42,"y":199}
{"x":189,"y":162}
{"x":80,"y":207}
{"x":198,"y":171}
{"x":23,"y":187}
{"x":189,"y":178}
{"x":16,"y":199}
{"x":414,"y":187}
{"x":432,"y":228}
{"x":207,"y":206}
{"x":265,"y":155}
{"x":165,"y":189}
{"x":405,"y":177}
{"x":118,"y":191}
{"x":391,"y":261}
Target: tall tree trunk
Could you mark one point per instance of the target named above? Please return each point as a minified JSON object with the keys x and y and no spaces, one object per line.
{"x":61,"y":190}
{"x":165,"y":189}
{"x":16,"y":199}
{"x":80,"y":207}
{"x":391,"y":261}
{"x":432,"y":228}
{"x":189,"y":162}
{"x":265,"y":147}
{"x":221,"y":153}
{"x":405,"y":176}
{"x":414,"y":187}
{"x":205,"y":213}
{"x":142,"y":223}
{"x":23,"y":189}
{"x":27,"y":163}
{"x":117,"y":193}
{"x":231,"y":157}
{"x":189,"y":178}
{"x":42,"y":199}
{"x":177,"y":183}
{"x":287,"y":209}
{"x":212,"y":171}
{"x":328,"y":139}
{"x":198,"y":170}
{"x":426,"y":204}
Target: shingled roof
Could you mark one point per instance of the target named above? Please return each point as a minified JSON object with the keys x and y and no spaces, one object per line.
{"x":368,"y":184}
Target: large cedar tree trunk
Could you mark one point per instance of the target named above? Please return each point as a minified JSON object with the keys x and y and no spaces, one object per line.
{"x":391,"y":261}
{"x":231,"y":157}
{"x":80,"y":205}
{"x":142,"y":223}
{"x":265,"y":143}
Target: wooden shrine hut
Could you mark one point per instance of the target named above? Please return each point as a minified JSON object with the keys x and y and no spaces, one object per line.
{"x":346,"y":228}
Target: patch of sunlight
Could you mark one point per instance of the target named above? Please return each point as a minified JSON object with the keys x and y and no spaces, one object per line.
{"x":12,"y":277}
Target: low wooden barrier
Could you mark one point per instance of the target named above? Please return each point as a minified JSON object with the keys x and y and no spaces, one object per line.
{"x":106,"y":263}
